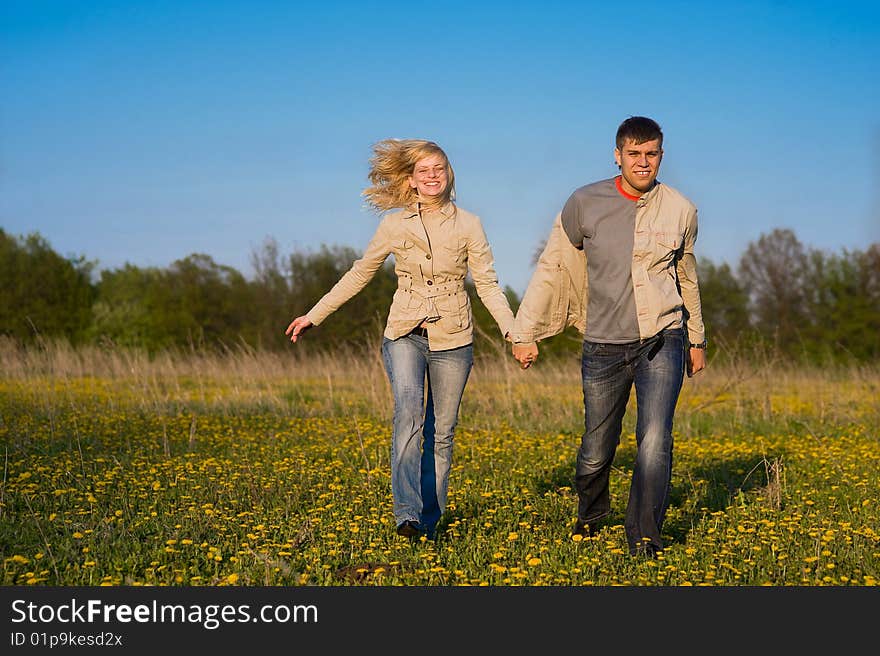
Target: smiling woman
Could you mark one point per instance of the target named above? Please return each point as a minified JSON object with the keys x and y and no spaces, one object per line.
{"x":428,"y":338}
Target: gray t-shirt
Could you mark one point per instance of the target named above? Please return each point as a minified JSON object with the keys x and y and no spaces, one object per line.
{"x":600,"y":219}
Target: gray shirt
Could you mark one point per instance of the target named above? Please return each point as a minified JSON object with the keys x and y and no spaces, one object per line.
{"x":600,"y":219}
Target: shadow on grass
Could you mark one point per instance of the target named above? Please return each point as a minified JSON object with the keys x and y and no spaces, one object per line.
{"x":725,"y":480}
{"x":700,"y":490}
{"x":697,"y":491}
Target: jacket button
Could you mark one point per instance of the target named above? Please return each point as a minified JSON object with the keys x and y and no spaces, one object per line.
{"x":430,"y":282}
{"x":428,"y":256}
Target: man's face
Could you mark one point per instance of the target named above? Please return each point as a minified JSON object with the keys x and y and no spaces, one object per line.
{"x":639,"y":164}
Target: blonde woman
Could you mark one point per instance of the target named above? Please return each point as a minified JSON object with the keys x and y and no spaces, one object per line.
{"x":428,"y":337}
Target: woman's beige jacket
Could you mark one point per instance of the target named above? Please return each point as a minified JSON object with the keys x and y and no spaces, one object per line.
{"x":430,"y":276}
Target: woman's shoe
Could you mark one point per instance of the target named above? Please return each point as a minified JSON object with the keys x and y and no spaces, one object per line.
{"x":409,"y":529}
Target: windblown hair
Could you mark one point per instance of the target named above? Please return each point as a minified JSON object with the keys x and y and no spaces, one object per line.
{"x":391,"y":166}
{"x":638,"y":129}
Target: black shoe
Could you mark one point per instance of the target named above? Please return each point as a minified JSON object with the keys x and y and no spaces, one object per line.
{"x":585,"y":530}
{"x":409,"y":529}
{"x":647,"y":551}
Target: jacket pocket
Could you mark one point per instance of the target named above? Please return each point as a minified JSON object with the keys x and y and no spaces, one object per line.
{"x":664,"y":246}
{"x":455,"y":311}
{"x":401,"y":301}
{"x":455,"y":251}
{"x":403,"y":249}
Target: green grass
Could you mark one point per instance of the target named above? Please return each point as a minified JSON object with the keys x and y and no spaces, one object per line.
{"x":261,"y":469}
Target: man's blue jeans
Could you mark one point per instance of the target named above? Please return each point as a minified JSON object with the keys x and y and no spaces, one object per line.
{"x":656,"y":367}
{"x":424,"y":429}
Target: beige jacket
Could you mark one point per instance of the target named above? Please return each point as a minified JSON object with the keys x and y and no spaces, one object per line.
{"x":663,"y":262}
{"x":430,"y":276}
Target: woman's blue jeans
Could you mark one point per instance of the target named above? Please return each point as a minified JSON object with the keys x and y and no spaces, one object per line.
{"x":656,"y":367}
{"x":424,"y":428}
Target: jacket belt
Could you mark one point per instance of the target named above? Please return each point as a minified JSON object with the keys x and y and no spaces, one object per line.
{"x":428,"y":291}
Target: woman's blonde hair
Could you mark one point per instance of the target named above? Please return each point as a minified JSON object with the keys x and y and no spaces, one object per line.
{"x":391,"y":166}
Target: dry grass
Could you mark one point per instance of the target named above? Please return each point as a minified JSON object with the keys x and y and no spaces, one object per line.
{"x":303,"y":382}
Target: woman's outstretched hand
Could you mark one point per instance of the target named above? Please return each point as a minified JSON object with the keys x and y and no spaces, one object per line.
{"x":297,"y":327}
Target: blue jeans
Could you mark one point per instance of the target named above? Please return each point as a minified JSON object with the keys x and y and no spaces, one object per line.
{"x":424,"y":428}
{"x":656,"y":367}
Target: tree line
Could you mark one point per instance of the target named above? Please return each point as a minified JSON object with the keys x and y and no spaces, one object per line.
{"x":805,"y":303}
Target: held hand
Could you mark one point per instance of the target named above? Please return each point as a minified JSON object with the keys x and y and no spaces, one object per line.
{"x":525,"y":354}
{"x":696,"y":361}
{"x":297,"y":327}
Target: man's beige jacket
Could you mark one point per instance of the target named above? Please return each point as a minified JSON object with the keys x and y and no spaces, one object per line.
{"x":430,"y":276}
{"x":663,"y":263}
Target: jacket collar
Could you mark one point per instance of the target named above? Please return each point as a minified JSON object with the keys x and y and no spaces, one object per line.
{"x":650,"y":194}
{"x":447,"y":211}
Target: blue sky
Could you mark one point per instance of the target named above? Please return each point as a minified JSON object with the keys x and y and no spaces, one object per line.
{"x":142,"y":132}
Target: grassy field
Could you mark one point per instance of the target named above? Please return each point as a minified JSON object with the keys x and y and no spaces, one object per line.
{"x":252,"y":468}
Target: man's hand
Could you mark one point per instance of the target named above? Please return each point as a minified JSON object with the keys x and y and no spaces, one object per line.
{"x":297,"y":327}
{"x":696,"y":361}
{"x":525,"y":354}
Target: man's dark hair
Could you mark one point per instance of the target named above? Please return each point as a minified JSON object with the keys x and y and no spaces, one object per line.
{"x":638,"y":129}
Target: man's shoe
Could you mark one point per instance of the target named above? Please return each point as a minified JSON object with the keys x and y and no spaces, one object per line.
{"x":409,"y":529}
{"x":648,"y":551}
{"x":584,"y":530}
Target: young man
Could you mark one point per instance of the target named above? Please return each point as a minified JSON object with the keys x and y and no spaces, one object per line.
{"x":635,"y":298}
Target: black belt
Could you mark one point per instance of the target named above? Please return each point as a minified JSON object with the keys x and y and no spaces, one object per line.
{"x":418,"y":330}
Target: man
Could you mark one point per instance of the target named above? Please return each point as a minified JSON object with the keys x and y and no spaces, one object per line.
{"x":633,"y":293}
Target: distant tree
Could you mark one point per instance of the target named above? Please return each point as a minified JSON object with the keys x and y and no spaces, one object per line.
{"x":129,"y":308}
{"x":42,"y":293}
{"x":209,"y":303}
{"x":488,"y":340}
{"x":724,"y":303}
{"x":773,"y":273}
{"x":193,"y":303}
{"x":272,"y":300}
{"x":870,"y":274}
{"x":806,"y":302}
{"x":360,"y":321}
{"x":844,"y":305}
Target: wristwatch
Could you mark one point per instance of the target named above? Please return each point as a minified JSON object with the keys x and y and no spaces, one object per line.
{"x":701,"y":345}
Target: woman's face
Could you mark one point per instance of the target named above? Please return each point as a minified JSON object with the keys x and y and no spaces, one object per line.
{"x":429,"y":176}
